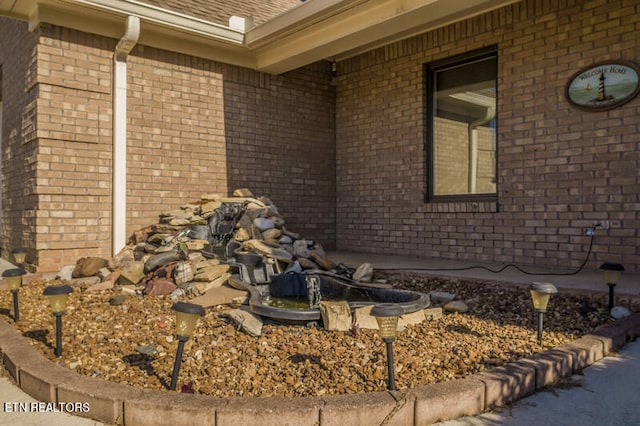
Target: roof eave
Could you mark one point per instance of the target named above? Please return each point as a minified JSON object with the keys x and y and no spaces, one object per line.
{"x":159,"y":27}
{"x":312,"y":31}
{"x":351,"y":27}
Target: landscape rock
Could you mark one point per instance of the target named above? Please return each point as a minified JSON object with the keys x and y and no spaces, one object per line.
{"x":278,"y":221}
{"x":128,"y":290}
{"x":433,"y":313}
{"x":209,"y":207}
{"x":619,"y":312}
{"x":289,"y":361}
{"x":173,"y":251}
{"x":301,"y":249}
{"x":203,"y":228}
{"x":248,"y":322}
{"x":220,"y":296}
{"x":362,"y":317}
{"x":183,"y":273}
{"x":285,"y":240}
{"x":196,"y":244}
{"x":160,"y":259}
{"x":66,"y":272}
{"x":324,"y":262}
{"x":412,"y":318}
{"x":211,"y":273}
{"x":203,"y":287}
{"x":271,"y":234}
{"x":88,"y":266}
{"x":307,"y":263}
{"x":456,"y":306}
{"x":364,"y":273}
{"x":243,"y":192}
{"x":177,"y":294}
{"x":263,"y":224}
{"x":159,"y":287}
{"x":317,"y":247}
{"x":262,"y":248}
{"x":439,"y":298}
{"x":336,"y":316}
{"x":103,"y":273}
{"x":294,"y":267}
{"x":118,"y":300}
{"x":147,"y":350}
{"x":242,"y":235}
{"x":122,"y":259}
{"x":84,"y":282}
{"x":293,"y":235}
{"x":132,"y":274}
{"x":101,"y":286}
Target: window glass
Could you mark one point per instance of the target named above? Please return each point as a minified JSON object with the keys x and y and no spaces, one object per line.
{"x":462,"y":127}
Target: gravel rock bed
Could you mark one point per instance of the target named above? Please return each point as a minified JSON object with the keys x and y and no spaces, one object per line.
{"x":107,"y":342}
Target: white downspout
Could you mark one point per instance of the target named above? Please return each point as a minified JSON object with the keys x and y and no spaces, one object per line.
{"x":119,"y":118}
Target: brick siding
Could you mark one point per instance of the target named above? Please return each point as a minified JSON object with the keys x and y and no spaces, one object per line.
{"x":19,"y":95}
{"x":559,"y":169}
{"x":345,"y":164}
{"x":194,"y":127}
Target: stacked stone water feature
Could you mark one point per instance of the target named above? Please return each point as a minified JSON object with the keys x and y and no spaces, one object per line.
{"x":186,"y":252}
{"x":197,"y":248}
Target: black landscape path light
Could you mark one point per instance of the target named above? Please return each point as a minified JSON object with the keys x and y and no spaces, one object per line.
{"x":58,"y":295}
{"x":186,"y":319}
{"x":612,"y":272}
{"x":540,"y":294}
{"x":13,"y":277}
{"x":387,"y":314}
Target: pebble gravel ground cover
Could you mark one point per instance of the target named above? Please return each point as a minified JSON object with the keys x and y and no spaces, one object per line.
{"x":134,"y":343}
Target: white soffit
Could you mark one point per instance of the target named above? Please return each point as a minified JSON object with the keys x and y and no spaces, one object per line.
{"x":16,"y":9}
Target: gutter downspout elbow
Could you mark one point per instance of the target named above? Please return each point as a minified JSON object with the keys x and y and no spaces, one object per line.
{"x":119,"y":119}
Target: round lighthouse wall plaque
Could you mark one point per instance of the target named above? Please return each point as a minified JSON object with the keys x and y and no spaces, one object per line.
{"x":604,"y":85}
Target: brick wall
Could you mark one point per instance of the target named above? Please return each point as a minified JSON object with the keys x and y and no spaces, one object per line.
{"x":74,"y":146}
{"x":559,"y":169}
{"x":194,"y":127}
{"x":203,"y":127}
{"x":198,"y":126}
{"x":19,"y":93}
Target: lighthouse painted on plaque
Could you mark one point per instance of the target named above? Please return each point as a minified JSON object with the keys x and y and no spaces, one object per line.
{"x":617,"y":83}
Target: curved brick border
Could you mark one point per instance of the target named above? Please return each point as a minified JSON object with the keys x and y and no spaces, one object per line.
{"x":120,"y":404}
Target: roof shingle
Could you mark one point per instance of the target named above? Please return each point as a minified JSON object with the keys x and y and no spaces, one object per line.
{"x":219,"y":12}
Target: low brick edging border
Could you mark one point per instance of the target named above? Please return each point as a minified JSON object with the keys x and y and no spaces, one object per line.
{"x":119,"y":404}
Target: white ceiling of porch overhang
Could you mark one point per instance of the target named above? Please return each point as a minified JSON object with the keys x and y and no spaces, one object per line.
{"x":309,"y":32}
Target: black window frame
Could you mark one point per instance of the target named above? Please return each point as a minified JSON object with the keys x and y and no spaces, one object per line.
{"x":430,"y":69}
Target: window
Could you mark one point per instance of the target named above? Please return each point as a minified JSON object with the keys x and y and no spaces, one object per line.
{"x":461,"y":127}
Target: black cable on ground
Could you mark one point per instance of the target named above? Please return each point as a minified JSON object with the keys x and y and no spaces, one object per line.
{"x":497,"y":271}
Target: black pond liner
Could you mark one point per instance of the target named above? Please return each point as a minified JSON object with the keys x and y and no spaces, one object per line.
{"x":293,"y":285}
